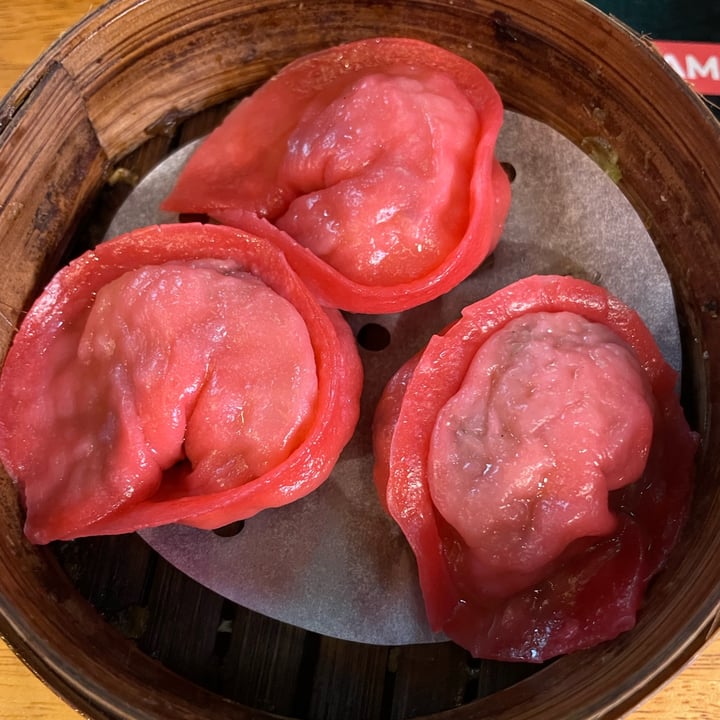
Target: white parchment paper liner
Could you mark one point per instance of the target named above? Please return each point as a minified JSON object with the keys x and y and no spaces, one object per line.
{"x":333,"y":562}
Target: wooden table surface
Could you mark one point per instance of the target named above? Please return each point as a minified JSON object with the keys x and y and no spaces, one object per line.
{"x":28,"y":28}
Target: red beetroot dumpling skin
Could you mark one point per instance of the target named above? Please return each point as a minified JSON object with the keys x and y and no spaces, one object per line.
{"x":375,"y":162}
{"x":538,"y":461}
{"x":180,"y":373}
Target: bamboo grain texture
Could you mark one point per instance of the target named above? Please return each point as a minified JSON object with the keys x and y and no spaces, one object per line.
{"x":25,"y":31}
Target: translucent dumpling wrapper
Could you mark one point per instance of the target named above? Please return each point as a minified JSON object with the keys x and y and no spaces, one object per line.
{"x":374,"y":161}
{"x":176,"y":374}
{"x":538,"y":461}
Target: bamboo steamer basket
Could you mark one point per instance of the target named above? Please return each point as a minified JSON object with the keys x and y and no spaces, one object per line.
{"x":121,"y":634}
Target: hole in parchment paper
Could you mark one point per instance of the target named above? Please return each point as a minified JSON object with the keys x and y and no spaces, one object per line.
{"x":373,"y":337}
{"x":230,"y":530}
{"x":509,"y":169}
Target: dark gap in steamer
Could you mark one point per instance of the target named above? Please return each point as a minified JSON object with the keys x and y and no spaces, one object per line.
{"x":201,"y":124}
{"x":472,"y":689}
{"x":495,"y":676}
{"x":223,"y":636}
{"x":120,"y":181}
{"x":306,"y":675}
{"x":389,"y":685}
{"x":247,"y":657}
{"x":193,"y":218}
{"x":689,"y":381}
{"x":182,"y":633}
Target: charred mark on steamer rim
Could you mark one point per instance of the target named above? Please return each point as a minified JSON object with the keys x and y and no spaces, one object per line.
{"x":505,"y":28}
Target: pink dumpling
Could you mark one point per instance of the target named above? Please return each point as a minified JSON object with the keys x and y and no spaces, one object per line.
{"x":536,"y":457}
{"x":553,"y":413}
{"x":176,"y":374}
{"x":371,"y":165}
{"x":155,"y":383}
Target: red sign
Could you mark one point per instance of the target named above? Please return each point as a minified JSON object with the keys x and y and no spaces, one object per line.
{"x":698,"y":63}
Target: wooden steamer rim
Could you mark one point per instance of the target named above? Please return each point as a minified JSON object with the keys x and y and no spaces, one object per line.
{"x":133,"y":69}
